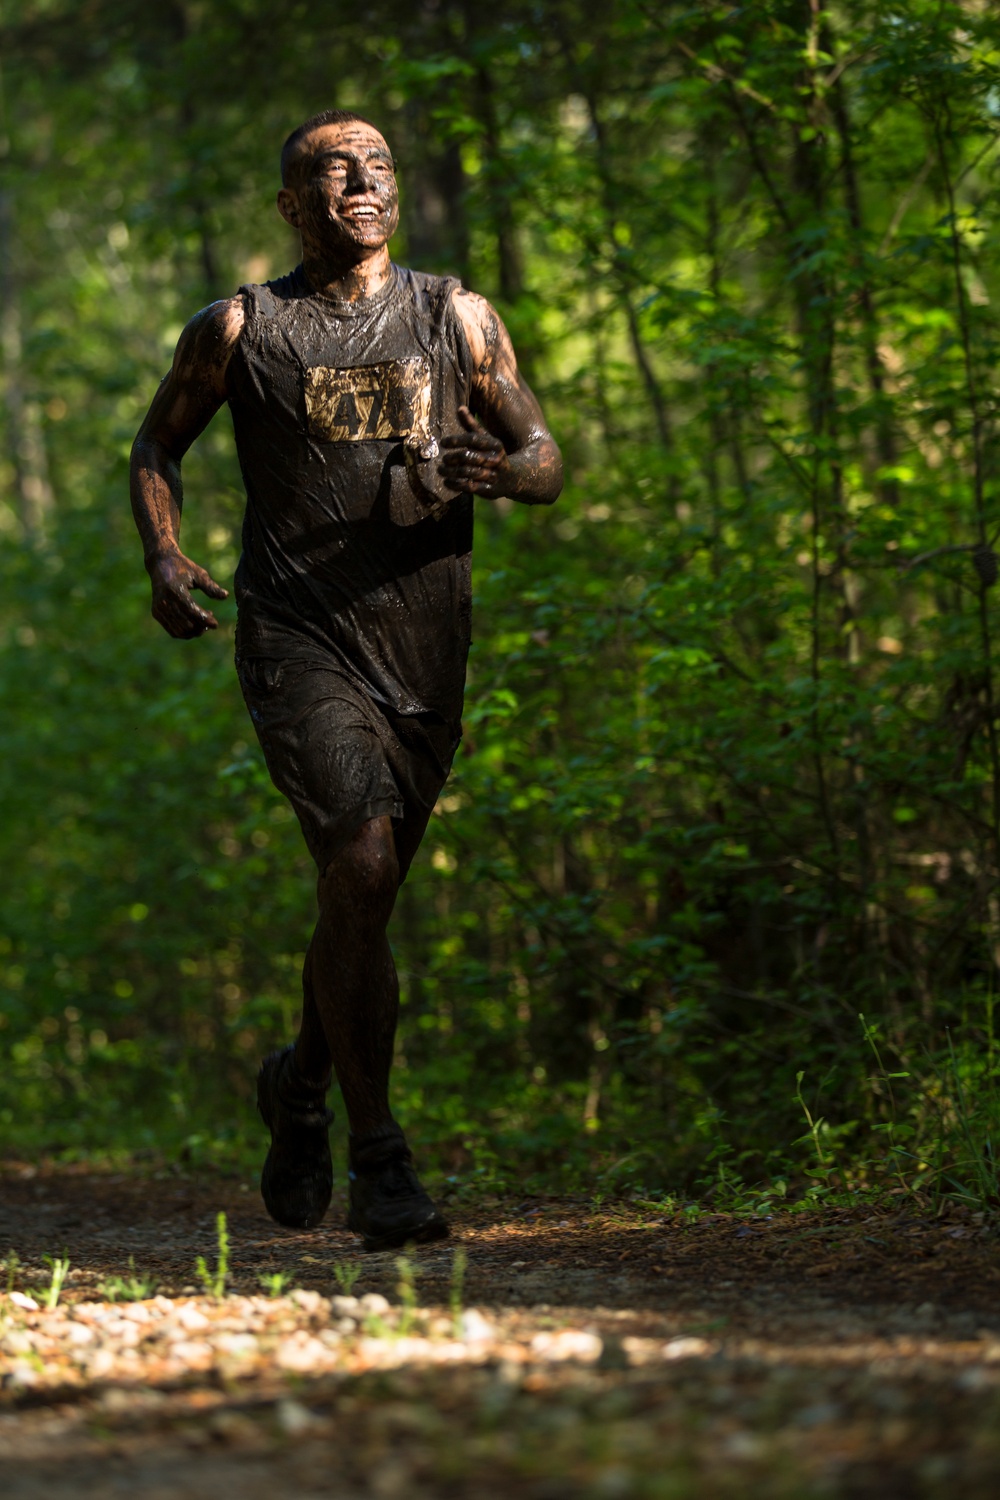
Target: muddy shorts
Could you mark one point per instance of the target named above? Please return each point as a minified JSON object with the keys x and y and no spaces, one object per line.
{"x":342,"y":759}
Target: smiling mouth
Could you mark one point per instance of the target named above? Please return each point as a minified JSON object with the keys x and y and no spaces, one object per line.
{"x":362,"y":213}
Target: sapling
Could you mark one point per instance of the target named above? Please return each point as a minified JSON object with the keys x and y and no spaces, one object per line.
{"x":132,"y":1288}
{"x":346,"y":1273}
{"x":458,"y":1264}
{"x":215,"y":1284}
{"x":407,"y":1293}
{"x":60,"y":1268}
{"x":274,"y":1282}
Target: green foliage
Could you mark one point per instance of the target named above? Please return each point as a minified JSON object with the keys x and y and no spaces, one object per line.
{"x":59,"y":1268}
{"x":130,"y":1288}
{"x":214,"y":1282}
{"x":730,"y":772}
{"x":346,"y":1273}
{"x":11,"y":1266}
{"x":274,"y":1283}
{"x":407,"y":1288}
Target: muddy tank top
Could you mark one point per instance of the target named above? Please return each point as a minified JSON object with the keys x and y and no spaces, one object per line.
{"x":342,"y":559}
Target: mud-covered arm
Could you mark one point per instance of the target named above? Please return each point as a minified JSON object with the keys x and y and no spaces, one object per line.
{"x":182,"y":408}
{"x":512,"y":452}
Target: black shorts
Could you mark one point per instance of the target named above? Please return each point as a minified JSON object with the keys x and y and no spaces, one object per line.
{"x":342,"y":759}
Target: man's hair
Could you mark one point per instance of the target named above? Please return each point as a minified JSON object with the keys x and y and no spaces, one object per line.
{"x":290,"y":149}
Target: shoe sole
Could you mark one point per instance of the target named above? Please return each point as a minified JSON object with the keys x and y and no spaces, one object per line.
{"x":422,"y":1234}
{"x":313,"y":1218}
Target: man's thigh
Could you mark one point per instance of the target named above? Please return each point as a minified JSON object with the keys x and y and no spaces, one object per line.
{"x":339,"y":760}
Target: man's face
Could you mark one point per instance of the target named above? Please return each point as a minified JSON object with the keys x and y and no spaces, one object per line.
{"x":343,"y":192}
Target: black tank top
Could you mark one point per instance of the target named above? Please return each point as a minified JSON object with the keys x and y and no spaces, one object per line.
{"x":341,"y":559}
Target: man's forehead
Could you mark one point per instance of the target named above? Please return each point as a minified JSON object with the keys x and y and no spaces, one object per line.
{"x":353,"y":136}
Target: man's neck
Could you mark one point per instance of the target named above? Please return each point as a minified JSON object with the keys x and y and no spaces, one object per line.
{"x":347,"y":283}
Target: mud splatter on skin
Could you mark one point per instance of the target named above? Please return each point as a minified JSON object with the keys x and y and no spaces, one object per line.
{"x":341,"y":195}
{"x":187,"y":400}
{"x":517,"y":456}
{"x":346,"y":567}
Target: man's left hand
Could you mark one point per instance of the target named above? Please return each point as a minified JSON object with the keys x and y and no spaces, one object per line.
{"x":475,"y":461}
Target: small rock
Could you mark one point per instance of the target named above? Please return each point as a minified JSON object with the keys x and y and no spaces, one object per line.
{"x":346,"y":1326}
{"x":310,"y":1302}
{"x":293,"y":1417}
{"x":686,"y":1348}
{"x":742,"y":1445}
{"x":123,"y":1332}
{"x":344,"y":1307}
{"x":374,"y":1305}
{"x":16,"y":1342}
{"x":389,"y":1479}
{"x":302,"y":1353}
{"x":192,"y":1319}
{"x":79,"y":1334}
{"x":974,"y":1379}
{"x":192,"y":1352}
{"x":19,"y":1299}
{"x":21,"y":1375}
{"x":117,"y":1399}
{"x":237,"y":1345}
{"x":476,"y":1329}
{"x":571,"y":1343}
{"x":819,"y":1415}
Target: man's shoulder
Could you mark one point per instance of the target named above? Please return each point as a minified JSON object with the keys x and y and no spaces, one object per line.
{"x":286,"y":288}
{"x":209,"y":338}
{"x":424,"y":287}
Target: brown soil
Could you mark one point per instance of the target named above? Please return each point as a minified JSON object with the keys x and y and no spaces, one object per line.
{"x":619,"y":1352}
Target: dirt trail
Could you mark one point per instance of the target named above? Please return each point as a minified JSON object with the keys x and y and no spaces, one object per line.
{"x":603,"y":1353}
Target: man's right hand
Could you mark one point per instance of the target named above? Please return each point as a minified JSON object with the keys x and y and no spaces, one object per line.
{"x":173,"y":576}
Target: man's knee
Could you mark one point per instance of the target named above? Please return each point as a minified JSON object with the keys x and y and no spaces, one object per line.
{"x":365,"y":873}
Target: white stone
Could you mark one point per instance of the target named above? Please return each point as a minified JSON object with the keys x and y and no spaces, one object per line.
{"x":123,"y":1332}
{"x":569,"y":1343}
{"x":686,"y":1348}
{"x":237,"y":1345}
{"x":192,"y":1351}
{"x":302,"y":1353}
{"x":476,"y":1329}
{"x":192,"y":1319}
{"x":293,"y":1417}
{"x":374,"y":1304}
{"x":345,"y":1307}
{"x":310,"y":1302}
{"x":20,"y":1300}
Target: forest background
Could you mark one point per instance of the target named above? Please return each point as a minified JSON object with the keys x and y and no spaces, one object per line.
{"x":709,"y":907}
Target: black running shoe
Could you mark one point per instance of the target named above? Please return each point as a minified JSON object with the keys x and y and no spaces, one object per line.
{"x":297,"y":1180}
{"x":388,"y":1205}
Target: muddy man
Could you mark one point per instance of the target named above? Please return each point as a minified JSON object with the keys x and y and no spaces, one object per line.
{"x":370,"y":404}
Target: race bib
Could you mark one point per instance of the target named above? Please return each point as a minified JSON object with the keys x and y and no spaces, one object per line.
{"x":369,"y":402}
